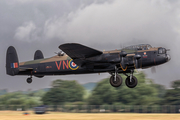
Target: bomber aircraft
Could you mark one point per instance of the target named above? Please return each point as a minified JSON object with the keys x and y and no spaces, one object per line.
{"x":79,"y":59}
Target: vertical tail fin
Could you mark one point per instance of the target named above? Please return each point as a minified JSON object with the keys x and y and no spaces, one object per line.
{"x":12,"y":62}
{"x":38,"y":55}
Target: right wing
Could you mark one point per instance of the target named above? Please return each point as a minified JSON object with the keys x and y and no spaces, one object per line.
{"x":78,"y":51}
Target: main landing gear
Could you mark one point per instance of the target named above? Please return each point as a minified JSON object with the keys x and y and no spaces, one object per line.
{"x":29,"y":80}
{"x":131,"y":81}
{"x":116,"y":80}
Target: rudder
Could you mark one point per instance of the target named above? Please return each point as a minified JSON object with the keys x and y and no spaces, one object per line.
{"x":12,"y":62}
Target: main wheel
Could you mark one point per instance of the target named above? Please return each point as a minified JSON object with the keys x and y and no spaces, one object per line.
{"x":131,"y":83}
{"x":115,"y":82}
{"x":29,"y":80}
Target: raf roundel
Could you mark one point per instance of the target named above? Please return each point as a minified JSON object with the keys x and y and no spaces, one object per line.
{"x":72,"y":65}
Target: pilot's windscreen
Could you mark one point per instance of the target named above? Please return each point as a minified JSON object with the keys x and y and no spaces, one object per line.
{"x":162,"y":51}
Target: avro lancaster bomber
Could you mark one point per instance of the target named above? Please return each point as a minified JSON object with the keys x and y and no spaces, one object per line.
{"x":79,"y":59}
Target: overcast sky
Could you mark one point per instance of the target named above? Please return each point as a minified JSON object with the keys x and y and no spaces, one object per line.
{"x":29,"y":25}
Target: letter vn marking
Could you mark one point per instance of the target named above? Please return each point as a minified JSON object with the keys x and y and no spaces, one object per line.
{"x":58,"y":65}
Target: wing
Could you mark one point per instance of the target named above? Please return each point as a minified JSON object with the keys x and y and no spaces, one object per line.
{"x":78,"y":51}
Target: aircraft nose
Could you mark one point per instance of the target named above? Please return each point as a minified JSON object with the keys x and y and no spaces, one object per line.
{"x":168,"y":57}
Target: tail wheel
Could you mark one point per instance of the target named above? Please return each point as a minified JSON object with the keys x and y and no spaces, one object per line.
{"x":115,"y":81}
{"x":131,"y":83}
{"x":29,"y":80}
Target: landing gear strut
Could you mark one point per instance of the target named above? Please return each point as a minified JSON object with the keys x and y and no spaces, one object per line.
{"x":29,"y":80}
{"x":115,"y":79}
{"x":131,"y":81}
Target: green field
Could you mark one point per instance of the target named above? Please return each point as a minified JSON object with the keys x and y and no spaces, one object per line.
{"x":14,"y":115}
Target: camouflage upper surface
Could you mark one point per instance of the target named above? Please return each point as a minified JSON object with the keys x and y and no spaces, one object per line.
{"x":66,"y":57}
{"x":51,"y":59}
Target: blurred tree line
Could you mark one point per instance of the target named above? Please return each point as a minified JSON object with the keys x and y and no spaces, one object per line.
{"x":22,"y":98}
{"x":145,"y":93}
{"x":71,"y":92}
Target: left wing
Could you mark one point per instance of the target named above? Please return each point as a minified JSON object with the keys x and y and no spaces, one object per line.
{"x":78,"y":51}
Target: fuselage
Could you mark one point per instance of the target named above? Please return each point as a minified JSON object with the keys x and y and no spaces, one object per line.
{"x":64,"y":65}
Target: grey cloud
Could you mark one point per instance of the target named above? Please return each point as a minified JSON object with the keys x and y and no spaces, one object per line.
{"x":27,"y":32}
{"x":118,"y":21}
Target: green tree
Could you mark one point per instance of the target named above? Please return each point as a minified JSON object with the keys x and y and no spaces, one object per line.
{"x":172,"y":96}
{"x":145,"y":93}
{"x":64,"y":91}
{"x":103,"y":94}
{"x":55,"y":96}
{"x":19,"y":98}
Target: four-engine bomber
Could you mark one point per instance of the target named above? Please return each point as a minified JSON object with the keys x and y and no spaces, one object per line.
{"x":80,"y":59}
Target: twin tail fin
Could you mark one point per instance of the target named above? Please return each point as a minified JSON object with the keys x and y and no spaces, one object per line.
{"x":12,"y":62}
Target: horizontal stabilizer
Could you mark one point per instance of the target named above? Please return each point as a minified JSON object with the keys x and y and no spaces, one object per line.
{"x":25,"y":69}
{"x":78,"y":51}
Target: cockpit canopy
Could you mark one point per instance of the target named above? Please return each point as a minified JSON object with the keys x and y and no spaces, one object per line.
{"x":138,"y":47}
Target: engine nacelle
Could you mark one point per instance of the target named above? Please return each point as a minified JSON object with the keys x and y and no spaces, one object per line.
{"x":123,"y":54}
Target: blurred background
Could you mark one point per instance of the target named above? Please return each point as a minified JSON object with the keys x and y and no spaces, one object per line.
{"x":29,"y":25}
{"x":70,"y":96}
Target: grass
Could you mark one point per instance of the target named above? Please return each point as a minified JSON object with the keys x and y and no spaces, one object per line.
{"x":14,"y":115}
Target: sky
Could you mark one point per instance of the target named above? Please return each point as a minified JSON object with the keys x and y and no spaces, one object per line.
{"x":29,"y":25}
